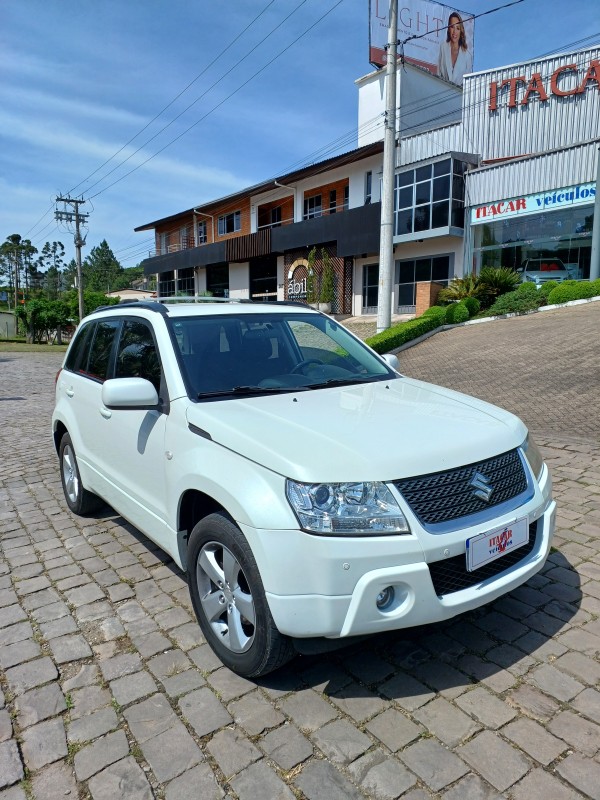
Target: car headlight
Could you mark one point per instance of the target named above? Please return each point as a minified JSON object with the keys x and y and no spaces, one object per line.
{"x":346,"y":509}
{"x":534,"y":457}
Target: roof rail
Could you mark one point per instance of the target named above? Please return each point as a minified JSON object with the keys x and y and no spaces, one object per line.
{"x":150,"y":305}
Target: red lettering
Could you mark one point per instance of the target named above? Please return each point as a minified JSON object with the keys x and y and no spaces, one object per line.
{"x":535,"y":86}
{"x":493,"y":106}
{"x":513,"y":83}
{"x":521,"y":204}
{"x":554,"y":88}
{"x":592,"y":75}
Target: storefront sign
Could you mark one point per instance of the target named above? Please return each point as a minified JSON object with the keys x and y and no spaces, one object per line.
{"x":423,"y":27}
{"x":583,"y":194}
{"x":296,"y":286}
{"x":564,"y":82}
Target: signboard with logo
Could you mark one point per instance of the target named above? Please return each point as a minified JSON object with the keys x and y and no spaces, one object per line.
{"x":443,"y":42}
{"x":582,"y":194}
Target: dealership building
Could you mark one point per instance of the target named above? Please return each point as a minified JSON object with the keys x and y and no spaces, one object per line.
{"x":491,"y":173}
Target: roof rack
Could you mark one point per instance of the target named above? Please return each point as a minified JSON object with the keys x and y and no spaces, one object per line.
{"x":150,"y":305}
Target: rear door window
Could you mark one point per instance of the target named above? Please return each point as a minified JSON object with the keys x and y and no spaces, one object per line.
{"x":99,"y":361}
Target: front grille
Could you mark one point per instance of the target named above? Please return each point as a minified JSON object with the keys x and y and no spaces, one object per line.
{"x":451,"y":574}
{"x":444,"y":496}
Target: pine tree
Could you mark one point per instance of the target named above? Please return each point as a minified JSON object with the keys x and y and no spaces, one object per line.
{"x":101,"y":269}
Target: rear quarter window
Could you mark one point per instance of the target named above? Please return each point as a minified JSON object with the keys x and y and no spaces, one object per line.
{"x":79,"y":350}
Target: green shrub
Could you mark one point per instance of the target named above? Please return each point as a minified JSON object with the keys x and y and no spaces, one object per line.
{"x":527,"y":289}
{"x":458,"y":312}
{"x":436,"y":312}
{"x":404,"y":332}
{"x":546,"y":288}
{"x":517,"y":302}
{"x":459,"y":288}
{"x":473,"y":305}
{"x":495,"y":281}
{"x":573,"y":290}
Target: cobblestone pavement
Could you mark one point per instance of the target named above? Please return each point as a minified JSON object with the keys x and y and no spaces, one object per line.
{"x":107,"y":689}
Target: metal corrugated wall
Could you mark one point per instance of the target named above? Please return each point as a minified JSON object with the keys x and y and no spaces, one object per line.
{"x":430,"y":144}
{"x":538,"y":126}
{"x":532,"y":175}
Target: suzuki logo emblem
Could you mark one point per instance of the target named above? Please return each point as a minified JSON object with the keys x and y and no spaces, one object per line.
{"x":482,"y":487}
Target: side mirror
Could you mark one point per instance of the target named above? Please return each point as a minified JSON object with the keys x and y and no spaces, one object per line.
{"x":392,"y":361}
{"x":129,"y":393}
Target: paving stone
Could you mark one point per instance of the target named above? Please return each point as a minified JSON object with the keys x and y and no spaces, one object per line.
{"x":7,"y":597}
{"x":183,"y":683}
{"x":50,"y":612}
{"x":485,"y":707}
{"x":187,"y":636}
{"x":358,"y":702}
{"x":32,"y":585}
{"x":255,"y":714}
{"x":17,"y":653}
{"x":582,"y":773}
{"x":87,"y":675}
{"x":93,"y":725}
{"x":84,"y":595}
{"x":232,"y":751}
{"x":124,"y":780}
{"x":533,"y":702}
{"x":448,"y":723}
{"x":435,"y":765}
{"x":287,"y":747}
{"x":120,"y":591}
{"x":259,"y":780}
{"x":150,"y":717}
{"x":54,"y":782}
{"x":380,"y":776}
{"x":11,"y":614}
{"x":11,"y":769}
{"x":320,"y":780}
{"x":229,"y":685}
{"x":341,"y":742}
{"x":46,"y":597}
{"x":31,"y":674}
{"x":582,"y":667}
{"x":15,"y":633}
{"x":443,"y":678}
{"x":168,"y":664}
{"x":120,"y":665}
{"x":132,"y":687}
{"x":472,"y":787}
{"x":588,"y":703}
{"x":151,"y":643}
{"x":555,"y":683}
{"x":58,"y":627}
{"x":577,"y":731}
{"x":541,"y":784}
{"x":172,"y":618}
{"x":368,"y":667}
{"x":308,"y":710}
{"x":44,"y":743}
{"x":394,"y":729}
{"x":195,"y":784}
{"x":171,"y":753}
{"x":495,"y":760}
{"x":100,"y":754}
{"x":203,"y":711}
{"x":407,"y":691}
{"x":88,"y":699}
{"x":14,"y":793}
{"x":535,"y":740}
{"x":6,"y":730}
{"x":40,"y":704}
{"x":70,"y":648}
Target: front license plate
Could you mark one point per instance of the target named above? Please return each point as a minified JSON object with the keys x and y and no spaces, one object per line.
{"x":494,"y":544}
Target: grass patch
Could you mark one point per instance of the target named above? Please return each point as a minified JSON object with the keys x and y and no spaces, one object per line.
{"x":23,"y":347}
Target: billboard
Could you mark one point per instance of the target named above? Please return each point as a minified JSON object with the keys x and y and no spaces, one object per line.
{"x":445,"y":36}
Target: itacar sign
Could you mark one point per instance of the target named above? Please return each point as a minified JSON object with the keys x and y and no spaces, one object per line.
{"x":583,"y":194}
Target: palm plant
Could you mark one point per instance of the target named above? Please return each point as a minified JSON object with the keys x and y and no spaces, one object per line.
{"x":459,"y":288}
{"x":495,"y":281}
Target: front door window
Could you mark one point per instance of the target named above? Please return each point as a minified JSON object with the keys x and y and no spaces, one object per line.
{"x":370,"y":288}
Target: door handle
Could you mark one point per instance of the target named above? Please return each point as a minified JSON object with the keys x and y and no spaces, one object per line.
{"x":70,"y":392}
{"x":106,"y":413}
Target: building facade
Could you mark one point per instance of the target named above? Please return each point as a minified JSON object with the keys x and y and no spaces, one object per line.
{"x":498,"y":172}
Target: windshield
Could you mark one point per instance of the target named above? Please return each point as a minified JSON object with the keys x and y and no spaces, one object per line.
{"x":235,"y":355}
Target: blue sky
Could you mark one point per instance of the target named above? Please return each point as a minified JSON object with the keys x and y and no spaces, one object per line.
{"x":79,"y":79}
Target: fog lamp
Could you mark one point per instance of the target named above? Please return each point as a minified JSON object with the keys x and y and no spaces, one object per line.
{"x":385,"y":598}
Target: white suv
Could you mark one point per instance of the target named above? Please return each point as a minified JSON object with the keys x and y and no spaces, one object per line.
{"x":307,"y":487}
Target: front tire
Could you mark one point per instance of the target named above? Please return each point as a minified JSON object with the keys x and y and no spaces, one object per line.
{"x":229,"y":600}
{"x":79,"y":500}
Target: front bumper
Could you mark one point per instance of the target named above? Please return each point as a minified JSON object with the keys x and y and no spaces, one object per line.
{"x":325,"y":586}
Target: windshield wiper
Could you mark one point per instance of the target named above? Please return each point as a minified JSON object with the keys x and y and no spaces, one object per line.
{"x":348,"y":381}
{"x":245,"y":390}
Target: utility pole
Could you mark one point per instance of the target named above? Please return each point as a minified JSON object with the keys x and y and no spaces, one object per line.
{"x":386,"y":247}
{"x":595,"y":252}
{"x":76,"y":217}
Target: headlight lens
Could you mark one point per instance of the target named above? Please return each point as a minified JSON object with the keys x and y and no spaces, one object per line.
{"x":346,"y":509}
{"x":533,"y":456}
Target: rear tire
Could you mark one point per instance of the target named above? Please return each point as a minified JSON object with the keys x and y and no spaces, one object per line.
{"x":229,"y":600}
{"x":79,"y":500}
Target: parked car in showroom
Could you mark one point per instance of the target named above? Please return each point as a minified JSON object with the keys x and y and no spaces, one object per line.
{"x":540,"y":270}
{"x":309,"y":490}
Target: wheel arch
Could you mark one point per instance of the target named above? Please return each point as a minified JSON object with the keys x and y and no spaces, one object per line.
{"x":58,"y":433}
{"x":194,"y":506}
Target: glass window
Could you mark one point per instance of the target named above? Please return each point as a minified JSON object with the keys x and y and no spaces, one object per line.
{"x":410,"y":272}
{"x":405,"y":178}
{"x":423,"y":173}
{"x":137,"y":356}
{"x":405,"y":197}
{"x":102,"y":345}
{"x":368,"y":187}
{"x":439,"y":215}
{"x":185,"y":281}
{"x":78,"y":351}
{"x":422,"y":193}
{"x":230,"y":223}
{"x":406,"y":272}
{"x":166,"y":284}
{"x":442,"y":167}
{"x":332,"y":201}
{"x":217,"y":280}
{"x":313,"y":206}
{"x":433,"y":204}
{"x":202,"y":235}
{"x":404,"y":221}
{"x":422,"y":218}
{"x":370,"y":285}
{"x":346,"y":197}
{"x":441,"y":188}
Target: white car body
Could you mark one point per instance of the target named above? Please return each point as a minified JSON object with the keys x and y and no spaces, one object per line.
{"x":542,"y":270}
{"x":241,"y":451}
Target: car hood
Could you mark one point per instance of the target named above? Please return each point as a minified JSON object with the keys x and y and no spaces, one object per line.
{"x":547,"y":275}
{"x":376,"y":431}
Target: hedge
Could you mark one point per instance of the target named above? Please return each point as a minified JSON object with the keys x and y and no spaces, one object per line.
{"x":457,"y":312}
{"x":404,"y":332}
{"x":574,"y":290}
